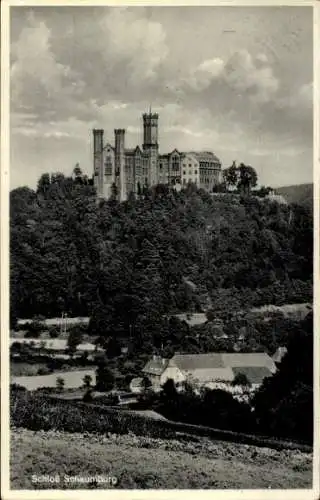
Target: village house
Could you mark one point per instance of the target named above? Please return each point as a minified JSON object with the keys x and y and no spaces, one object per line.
{"x":211,"y":370}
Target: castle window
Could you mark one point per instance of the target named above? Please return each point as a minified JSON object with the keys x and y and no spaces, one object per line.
{"x":108,"y":166}
{"x":196,"y":172}
{"x":175,"y":163}
{"x":184,"y":172}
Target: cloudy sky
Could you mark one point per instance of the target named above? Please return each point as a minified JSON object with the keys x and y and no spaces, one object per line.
{"x":235,"y":80}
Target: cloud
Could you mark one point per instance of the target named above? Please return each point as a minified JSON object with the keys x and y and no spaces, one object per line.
{"x":245,"y":95}
{"x":242,"y":73}
{"x":36,"y":75}
{"x":135,"y":42}
{"x":205,"y":73}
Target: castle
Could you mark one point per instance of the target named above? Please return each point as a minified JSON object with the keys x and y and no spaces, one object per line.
{"x":120,"y":171}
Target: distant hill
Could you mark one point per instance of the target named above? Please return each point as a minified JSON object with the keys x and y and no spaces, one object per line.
{"x":302,"y":194}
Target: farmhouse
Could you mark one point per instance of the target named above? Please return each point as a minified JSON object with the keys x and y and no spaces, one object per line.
{"x":212,"y":370}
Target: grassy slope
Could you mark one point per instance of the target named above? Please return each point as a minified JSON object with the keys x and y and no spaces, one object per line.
{"x":301,"y":194}
{"x":140,"y":462}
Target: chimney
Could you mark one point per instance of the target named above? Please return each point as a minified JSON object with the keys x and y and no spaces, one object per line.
{"x":119,"y":136}
{"x":98,"y":160}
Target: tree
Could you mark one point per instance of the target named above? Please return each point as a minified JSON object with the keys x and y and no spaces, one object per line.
{"x":16,"y":347}
{"x":113,"y":348}
{"x":247,"y":178}
{"x":60,"y":383}
{"x":77,"y":172}
{"x":104,"y":378}
{"x":87,"y":380}
{"x":169,"y":390}
{"x":284,"y":403}
{"x":146,"y":383}
{"x":54,"y":332}
{"x":114,"y":192}
{"x":230,"y":176}
{"x":44,"y":184}
{"x":87,"y":397}
{"x":74,"y":339}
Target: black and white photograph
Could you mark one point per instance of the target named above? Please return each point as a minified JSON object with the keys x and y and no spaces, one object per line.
{"x":160,"y":260}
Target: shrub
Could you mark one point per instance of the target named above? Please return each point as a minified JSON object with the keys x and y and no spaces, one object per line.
{"x":241,"y":379}
{"x":60,"y":384}
{"x":34,"y":329}
{"x":87,"y":397}
{"x":44,"y":370}
{"x":17,"y":387}
{"x":54,"y":332}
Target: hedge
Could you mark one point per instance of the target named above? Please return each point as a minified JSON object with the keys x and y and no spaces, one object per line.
{"x":47,"y":412}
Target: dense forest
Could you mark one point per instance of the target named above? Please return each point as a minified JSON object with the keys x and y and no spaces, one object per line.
{"x":130,"y":265}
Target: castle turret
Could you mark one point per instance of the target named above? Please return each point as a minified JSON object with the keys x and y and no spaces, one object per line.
{"x":120,"y":180}
{"x":150,"y":144}
{"x":98,"y":161}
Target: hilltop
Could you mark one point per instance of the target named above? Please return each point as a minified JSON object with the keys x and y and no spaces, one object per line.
{"x":70,"y":254}
{"x":302,"y":194}
{"x":143,"y":462}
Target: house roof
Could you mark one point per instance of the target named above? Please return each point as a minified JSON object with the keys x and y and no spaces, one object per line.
{"x":216,"y":367}
{"x":191,"y":362}
{"x":255,"y":374}
{"x":244,"y":359}
{"x":224,"y":366}
{"x":156,"y":366}
{"x":136,"y":382}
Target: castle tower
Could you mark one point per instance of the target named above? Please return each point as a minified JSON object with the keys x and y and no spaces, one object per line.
{"x":120,"y":180}
{"x":98,"y":161}
{"x":150,"y":144}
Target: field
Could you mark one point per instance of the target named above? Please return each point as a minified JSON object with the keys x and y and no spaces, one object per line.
{"x":144,"y":462}
{"x":72,"y":379}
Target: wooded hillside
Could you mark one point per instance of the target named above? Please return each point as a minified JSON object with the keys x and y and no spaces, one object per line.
{"x":162,"y":253}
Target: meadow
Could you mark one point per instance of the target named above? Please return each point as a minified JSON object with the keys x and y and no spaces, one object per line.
{"x":140,"y":462}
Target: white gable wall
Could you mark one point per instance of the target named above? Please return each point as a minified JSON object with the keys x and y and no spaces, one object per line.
{"x":172,"y":372}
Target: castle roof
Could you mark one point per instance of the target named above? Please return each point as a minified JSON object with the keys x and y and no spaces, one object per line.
{"x":207,"y":156}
